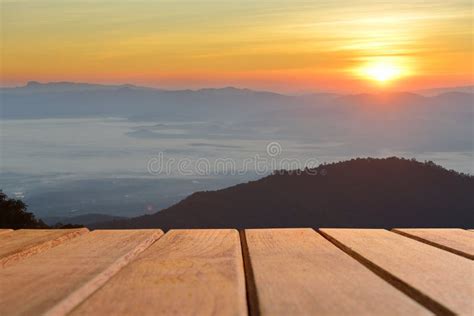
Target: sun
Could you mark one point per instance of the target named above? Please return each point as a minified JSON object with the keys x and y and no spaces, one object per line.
{"x":381,"y":71}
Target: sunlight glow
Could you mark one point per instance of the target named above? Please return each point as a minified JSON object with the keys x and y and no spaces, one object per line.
{"x":382,"y":70}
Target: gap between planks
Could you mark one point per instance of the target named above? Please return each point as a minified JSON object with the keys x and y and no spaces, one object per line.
{"x":251,"y":288}
{"x":455,"y":240}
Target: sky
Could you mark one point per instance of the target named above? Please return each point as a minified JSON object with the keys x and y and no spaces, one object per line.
{"x":280,"y":45}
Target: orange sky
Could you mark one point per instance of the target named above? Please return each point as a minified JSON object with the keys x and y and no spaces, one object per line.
{"x":283,"y":45}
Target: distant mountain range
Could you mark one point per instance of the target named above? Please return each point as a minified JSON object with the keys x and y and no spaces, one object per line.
{"x":389,"y":192}
{"x":66,"y":99}
{"x":65,"y":86}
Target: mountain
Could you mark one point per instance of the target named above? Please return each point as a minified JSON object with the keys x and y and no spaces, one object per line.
{"x":391,"y":192}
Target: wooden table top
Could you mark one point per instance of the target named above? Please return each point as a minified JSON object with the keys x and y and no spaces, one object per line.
{"x":298,"y":271}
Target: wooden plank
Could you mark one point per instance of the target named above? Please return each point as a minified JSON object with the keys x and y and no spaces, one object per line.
{"x":5,"y":230}
{"x":298,"y":272}
{"x":54,"y":282}
{"x":187,"y":272}
{"x":458,"y":241}
{"x":24,"y":243}
{"x":440,"y":280}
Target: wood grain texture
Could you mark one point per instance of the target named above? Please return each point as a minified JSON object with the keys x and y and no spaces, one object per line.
{"x":24,"y":243}
{"x":442,"y":281}
{"x":298,"y":272}
{"x":455,"y":240}
{"x":187,"y":272}
{"x":5,"y":230}
{"x":54,"y":282}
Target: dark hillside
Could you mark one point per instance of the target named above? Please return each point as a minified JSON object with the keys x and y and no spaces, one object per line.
{"x":389,"y":192}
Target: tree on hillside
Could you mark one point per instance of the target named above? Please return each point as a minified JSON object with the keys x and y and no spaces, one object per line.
{"x":14,"y":214}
